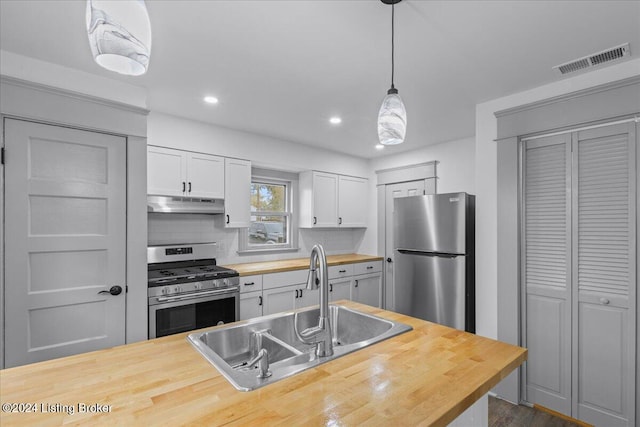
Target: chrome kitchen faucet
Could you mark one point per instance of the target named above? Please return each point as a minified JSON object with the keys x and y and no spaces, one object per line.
{"x":319,"y":335}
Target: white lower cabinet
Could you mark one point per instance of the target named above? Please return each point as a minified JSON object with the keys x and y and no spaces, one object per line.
{"x":339,"y":289}
{"x":367,"y":289}
{"x":250,"y":305}
{"x":265,"y":294}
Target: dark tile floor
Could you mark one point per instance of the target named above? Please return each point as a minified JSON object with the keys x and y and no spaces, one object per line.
{"x":504,"y":414}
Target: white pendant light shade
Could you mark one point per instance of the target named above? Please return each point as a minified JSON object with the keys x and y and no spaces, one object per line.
{"x":119,"y":35}
{"x":392,"y":120}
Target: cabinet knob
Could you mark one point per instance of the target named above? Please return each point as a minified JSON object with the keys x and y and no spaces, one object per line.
{"x":389,"y":260}
{"x":604,"y":301}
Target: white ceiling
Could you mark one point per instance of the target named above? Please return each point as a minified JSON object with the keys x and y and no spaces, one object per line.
{"x":282,"y":68}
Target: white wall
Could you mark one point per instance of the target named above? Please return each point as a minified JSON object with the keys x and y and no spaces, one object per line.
{"x":456,"y":163}
{"x":486,"y":179}
{"x":266,"y":152}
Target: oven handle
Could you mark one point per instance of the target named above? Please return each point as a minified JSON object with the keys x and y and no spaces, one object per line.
{"x":197,"y":295}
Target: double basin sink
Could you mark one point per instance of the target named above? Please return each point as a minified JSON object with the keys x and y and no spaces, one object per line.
{"x":232,"y":348}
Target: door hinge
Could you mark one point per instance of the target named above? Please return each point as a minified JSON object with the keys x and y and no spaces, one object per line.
{"x":2,"y":155}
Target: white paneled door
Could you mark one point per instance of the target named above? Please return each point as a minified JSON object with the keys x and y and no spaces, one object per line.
{"x":65,"y":240}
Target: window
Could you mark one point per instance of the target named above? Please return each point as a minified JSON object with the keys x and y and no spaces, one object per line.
{"x":271,"y":216}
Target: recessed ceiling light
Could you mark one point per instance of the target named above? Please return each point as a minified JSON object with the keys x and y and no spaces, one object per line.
{"x":379,"y":146}
{"x":210,"y":99}
{"x":335,"y":120}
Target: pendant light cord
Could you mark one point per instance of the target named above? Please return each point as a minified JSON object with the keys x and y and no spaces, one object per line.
{"x":392,"y":44}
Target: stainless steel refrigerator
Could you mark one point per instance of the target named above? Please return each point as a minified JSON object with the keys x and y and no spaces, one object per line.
{"x":434,"y":273}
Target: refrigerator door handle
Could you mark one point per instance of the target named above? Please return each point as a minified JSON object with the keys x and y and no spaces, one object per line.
{"x":428,"y":253}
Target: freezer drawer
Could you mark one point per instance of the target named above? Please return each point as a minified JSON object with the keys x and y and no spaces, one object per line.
{"x":435,"y":288}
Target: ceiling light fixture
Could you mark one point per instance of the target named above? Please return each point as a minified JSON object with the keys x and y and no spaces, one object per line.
{"x":392,"y":118}
{"x":210,"y":99}
{"x":119,"y":35}
{"x":335,"y":120}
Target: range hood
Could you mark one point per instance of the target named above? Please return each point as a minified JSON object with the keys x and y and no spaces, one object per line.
{"x":163,"y":204}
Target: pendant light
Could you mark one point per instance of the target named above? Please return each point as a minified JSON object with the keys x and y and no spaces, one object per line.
{"x":392,"y":118}
{"x":119,"y":35}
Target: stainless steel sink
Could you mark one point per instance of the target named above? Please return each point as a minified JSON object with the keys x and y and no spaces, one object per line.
{"x":230,"y":348}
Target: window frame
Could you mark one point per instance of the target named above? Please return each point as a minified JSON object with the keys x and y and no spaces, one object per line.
{"x":291,"y":186}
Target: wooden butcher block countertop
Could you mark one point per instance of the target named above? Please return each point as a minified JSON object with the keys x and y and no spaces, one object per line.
{"x":266,"y":267}
{"x":427,"y":376}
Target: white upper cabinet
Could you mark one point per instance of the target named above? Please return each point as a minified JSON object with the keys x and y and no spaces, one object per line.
{"x":173,"y":172}
{"x":237,"y":203}
{"x":166,"y":171}
{"x":205,"y":175}
{"x":352,"y":201}
{"x":328,"y":200}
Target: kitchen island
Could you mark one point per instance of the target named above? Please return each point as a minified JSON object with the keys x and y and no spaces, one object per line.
{"x":427,"y":376}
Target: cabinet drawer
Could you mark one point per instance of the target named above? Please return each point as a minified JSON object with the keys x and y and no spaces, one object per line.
{"x":367,"y":267}
{"x":277,"y":280}
{"x":251,"y":283}
{"x":337,"y":271}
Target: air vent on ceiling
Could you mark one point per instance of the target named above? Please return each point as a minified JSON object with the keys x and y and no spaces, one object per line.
{"x":599,"y":58}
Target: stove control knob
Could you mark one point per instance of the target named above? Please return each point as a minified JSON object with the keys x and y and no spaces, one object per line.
{"x":177,"y":289}
{"x":216,"y":283}
{"x":198,"y":285}
{"x":165,"y":291}
{"x":225,"y":282}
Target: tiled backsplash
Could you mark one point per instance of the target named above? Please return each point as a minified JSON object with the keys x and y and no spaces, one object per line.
{"x":167,"y":229}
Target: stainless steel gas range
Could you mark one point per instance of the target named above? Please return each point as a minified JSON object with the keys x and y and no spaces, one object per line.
{"x":187,"y":290}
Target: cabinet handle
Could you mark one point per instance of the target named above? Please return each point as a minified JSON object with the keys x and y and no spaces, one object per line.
{"x":330,"y":287}
{"x":604,"y":301}
{"x":342,"y":271}
{"x":250,"y":284}
{"x":369,"y":267}
{"x":260,"y":300}
{"x":184,"y":186}
{"x":315,"y":220}
{"x":340,"y":220}
{"x":189,"y":187}
{"x":228,"y":219}
{"x":300,"y":293}
{"x":356,"y":284}
{"x":296,"y":293}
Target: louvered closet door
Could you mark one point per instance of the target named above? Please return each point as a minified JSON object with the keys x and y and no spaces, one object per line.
{"x":604,"y":275}
{"x":546,"y":271}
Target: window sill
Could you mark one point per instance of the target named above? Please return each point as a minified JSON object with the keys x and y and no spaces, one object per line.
{"x":266,"y":251}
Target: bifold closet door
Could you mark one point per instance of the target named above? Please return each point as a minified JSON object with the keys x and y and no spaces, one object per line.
{"x":546,"y":270}
{"x":604,"y":262}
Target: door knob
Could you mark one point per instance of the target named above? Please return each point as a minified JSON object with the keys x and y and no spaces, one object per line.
{"x":114,"y":290}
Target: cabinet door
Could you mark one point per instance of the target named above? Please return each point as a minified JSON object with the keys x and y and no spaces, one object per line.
{"x":307,"y":297}
{"x":325,"y":200}
{"x":205,"y":176}
{"x":166,"y":171}
{"x":237,"y":178}
{"x":339,"y":289}
{"x":352,"y":201}
{"x":250,"y":305}
{"x":279,"y":299}
{"x":367,"y":289}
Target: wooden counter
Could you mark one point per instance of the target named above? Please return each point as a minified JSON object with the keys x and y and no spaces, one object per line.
{"x":427,"y":376}
{"x":266,"y":267}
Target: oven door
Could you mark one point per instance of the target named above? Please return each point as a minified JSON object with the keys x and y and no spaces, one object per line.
{"x":182,"y":313}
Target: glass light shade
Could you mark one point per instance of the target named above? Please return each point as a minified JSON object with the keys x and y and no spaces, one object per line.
{"x":119,"y":35}
{"x":392,"y":120}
